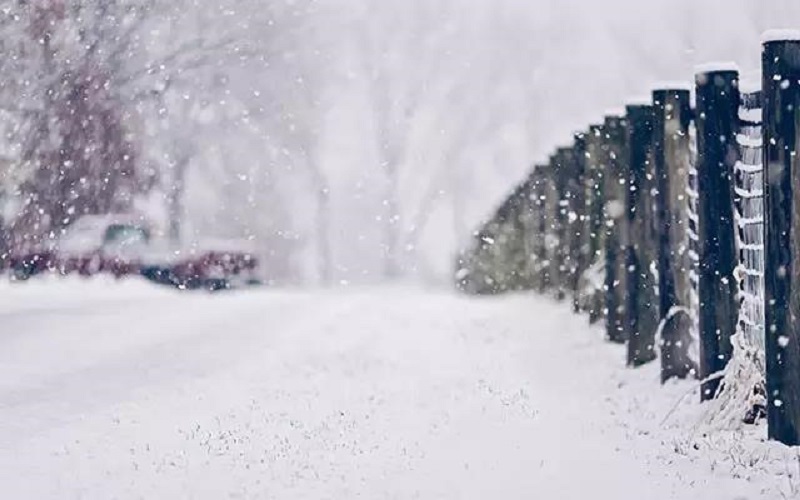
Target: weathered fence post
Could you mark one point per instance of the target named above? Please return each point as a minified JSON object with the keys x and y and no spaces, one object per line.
{"x":717,"y":123}
{"x":781,"y":91}
{"x":555,"y":240}
{"x":544,"y":193}
{"x":515,"y":248}
{"x":641,"y":314}
{"x":529,"y":232}
{"x":537,"y":228}
{"x":616,"y":195}
{"x":565,"y":239}
{"x":594,"y":219}
{"x":4,"y":250}
{"x":576,"y":166}
{"x":558,"y":244}
{"x":672,"y":163}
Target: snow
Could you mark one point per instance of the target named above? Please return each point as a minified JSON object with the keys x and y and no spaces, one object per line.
{"x":673,"y":85}
{"x":127,"y":391}
{"x":715,"y":66}
{"x":780,"y":35}
{"x":615,"y":112}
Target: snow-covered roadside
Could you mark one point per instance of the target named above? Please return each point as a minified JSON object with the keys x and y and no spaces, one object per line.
{"x":129,"y":391}
{"x":676,"y":430}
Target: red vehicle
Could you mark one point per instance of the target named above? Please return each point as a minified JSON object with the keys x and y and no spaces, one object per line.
{"x":124,"y":245}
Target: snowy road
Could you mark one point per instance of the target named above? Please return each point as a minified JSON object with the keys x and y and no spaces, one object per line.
{"x":133,"y":392}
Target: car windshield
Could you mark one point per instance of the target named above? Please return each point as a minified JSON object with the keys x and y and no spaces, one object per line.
{"x":120,"y":236}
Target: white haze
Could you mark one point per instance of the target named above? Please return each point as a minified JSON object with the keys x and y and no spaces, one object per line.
{"x":300,"y":131}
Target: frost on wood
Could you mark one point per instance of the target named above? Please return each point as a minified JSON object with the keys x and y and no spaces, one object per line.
{"x":692,"y":245}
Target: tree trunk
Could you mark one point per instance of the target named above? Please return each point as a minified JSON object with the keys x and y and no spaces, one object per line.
{"x":175,"y":201}
{"x":391,"y":225}
{"x":460,"y":229}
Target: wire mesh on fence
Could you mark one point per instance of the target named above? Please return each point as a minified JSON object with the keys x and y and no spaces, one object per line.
{"x":717,"y":205}
{"x":692,"y":232}
{"x":749,"y":174}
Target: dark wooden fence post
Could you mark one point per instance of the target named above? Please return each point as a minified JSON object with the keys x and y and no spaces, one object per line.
{"x":717,"y":123}
{"x":546,"y":194}
{"x":641,"y":313}
{"x":576,"y":165}
{"x":616,"y":196}
{"x":781,"y":90}
{"x":519,"y":248}
{"x":531,"y":231}
{"x":516,"y":248}
{"x":558,"y":241}
{"x":538,"y":228}
{"x":672,"y":163}
{"x":594,"y":225}
{"x":4,"y":247}
{"x":566,"y":185}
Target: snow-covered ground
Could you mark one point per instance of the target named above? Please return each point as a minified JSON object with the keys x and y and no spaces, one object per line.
{"x":129,"y":391}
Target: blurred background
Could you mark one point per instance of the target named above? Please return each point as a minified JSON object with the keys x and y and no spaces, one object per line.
{"x":339,"y":141}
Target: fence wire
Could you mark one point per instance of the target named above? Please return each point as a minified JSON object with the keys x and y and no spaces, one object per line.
{"x":692,"y":232}
{"x":748,"y":201}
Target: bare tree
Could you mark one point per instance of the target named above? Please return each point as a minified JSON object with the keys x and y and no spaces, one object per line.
{"x":428,"y":77}
{"x":75,"y":156}
{"x":404,"y":62}
{"x":298,"y":131}
{"x":85,"y":68}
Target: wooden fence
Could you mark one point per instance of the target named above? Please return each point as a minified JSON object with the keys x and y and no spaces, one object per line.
{"x":678,"y":226}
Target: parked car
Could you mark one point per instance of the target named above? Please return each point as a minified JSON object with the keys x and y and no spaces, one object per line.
{"x":92,"y":244}
{"x":203,"y":269}
{"x":124,"y":245}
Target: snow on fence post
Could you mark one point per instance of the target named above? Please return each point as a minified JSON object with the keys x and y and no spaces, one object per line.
{"x":717,"y":122}
{"x":616,"y":188}
{"x":781,"y":92}
{"x":594,"y":219}
{"x":672,"y":162}
{"x":640,"y":310}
